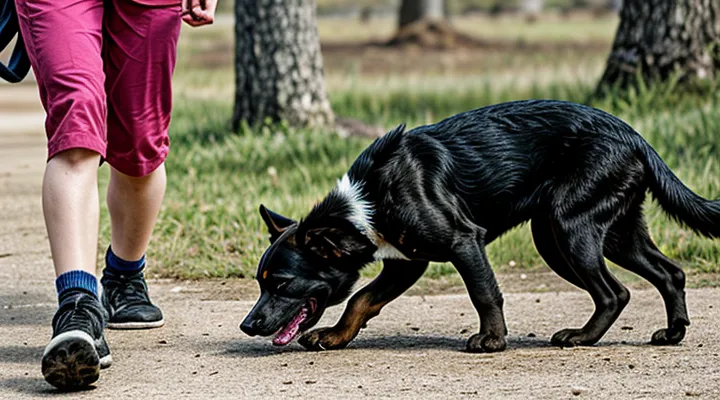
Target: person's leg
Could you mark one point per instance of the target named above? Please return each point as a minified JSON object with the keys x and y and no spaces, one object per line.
{"x":140,"y":50}
{"x":63,"y":39}
{"x":134,"y":203}
{"x":70,"y":207}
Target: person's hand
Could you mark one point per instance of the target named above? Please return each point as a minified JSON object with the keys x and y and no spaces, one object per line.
{"x":198,"y":12}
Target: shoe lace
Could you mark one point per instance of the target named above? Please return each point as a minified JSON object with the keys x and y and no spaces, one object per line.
{"x":127,"y":289}
{"x":76,"y":312}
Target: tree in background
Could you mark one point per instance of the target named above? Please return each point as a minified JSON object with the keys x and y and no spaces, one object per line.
{"x":278,"y":64}
{"x":424,"y":22}
{"x":412,"y":11}
{"x":660,"y":40}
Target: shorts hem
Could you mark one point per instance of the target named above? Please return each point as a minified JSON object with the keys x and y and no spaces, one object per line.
{"x":138,"y":169}
{"x":87,"y":143}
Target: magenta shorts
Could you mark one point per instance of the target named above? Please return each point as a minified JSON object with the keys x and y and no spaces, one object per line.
{"x":104,"y":70}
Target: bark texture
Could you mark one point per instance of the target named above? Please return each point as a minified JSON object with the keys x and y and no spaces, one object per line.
{"x":657,"y":39}
{"x":278,"y":64}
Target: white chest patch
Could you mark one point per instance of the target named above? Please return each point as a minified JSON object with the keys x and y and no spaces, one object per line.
{"x":361,"y":217}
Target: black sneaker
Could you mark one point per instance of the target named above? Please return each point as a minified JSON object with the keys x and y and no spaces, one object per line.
{"x":78,"y":349}
{"x":126,"y":299}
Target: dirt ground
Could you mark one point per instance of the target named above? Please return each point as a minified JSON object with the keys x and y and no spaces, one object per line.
{"x":412,"y":350}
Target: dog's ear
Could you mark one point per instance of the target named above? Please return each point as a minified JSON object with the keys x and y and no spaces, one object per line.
{"x":276,"y":223}
{"x":337,"y":240}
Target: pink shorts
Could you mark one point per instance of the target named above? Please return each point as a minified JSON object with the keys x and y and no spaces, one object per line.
{"x":104,"y":70}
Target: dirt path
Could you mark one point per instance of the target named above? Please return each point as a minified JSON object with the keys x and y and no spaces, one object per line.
{"x":412,"y":350}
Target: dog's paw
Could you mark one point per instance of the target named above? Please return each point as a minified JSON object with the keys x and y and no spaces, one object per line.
{"x":668,"y":336}
{"x":572,"y":338}
{"x":324,"y":339}
{"x":485,"y":343}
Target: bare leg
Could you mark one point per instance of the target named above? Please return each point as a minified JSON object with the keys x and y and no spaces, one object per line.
{"x":71,"y":209}
{"x":134,"y":204}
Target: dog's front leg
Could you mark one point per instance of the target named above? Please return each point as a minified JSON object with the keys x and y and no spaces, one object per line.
{"x":474,"y":268}
{"x":396,"y":277}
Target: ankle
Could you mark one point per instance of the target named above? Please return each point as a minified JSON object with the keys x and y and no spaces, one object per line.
{"x":119,"y":266}
{"x":76,"y":280}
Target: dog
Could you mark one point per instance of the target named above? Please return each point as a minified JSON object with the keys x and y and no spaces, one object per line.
{"x":442,"y":192}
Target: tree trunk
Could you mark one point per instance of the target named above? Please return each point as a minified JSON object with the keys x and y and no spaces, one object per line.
{"x":278,"y":64}
{"x":417,"y":10}
{"x":424,"y":23}
{"x":663,"y":39}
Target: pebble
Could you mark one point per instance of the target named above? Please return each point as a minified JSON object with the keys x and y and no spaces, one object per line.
{"x":578,"y":390}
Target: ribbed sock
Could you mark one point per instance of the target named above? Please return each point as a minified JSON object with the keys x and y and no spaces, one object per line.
{"x":119,"y":266}
{"x":76,"y":279}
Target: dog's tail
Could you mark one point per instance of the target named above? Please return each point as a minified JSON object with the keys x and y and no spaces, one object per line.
{"x":681,"y":203}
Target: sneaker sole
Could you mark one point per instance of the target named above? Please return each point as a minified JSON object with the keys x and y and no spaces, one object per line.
{"x":136,"y":325}
{"x":106,"y":361}
{"x":71,"y":361}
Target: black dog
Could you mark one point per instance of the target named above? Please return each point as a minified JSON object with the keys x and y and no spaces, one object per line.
{"x":442,"y":192}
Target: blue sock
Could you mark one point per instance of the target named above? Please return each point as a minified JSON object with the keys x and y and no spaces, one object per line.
{"x":76,"y":279}
{"x":119,"y":266}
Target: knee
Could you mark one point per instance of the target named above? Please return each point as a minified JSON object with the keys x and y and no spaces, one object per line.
{"x":156,"y":177}
{"x":77,"y":161}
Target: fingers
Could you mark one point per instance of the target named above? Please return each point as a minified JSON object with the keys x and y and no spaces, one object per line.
{"x":189,"y":5}
{"x":199,"y":12}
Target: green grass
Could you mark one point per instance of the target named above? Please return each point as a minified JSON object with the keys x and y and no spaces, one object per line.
{"x":210,"y":227}
{"x":506,"y":28}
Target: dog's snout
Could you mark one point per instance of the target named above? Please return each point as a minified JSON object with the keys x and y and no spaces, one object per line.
{"x":250,"y":325}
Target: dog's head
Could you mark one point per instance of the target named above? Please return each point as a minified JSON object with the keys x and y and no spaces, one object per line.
{"x":308,"y":267}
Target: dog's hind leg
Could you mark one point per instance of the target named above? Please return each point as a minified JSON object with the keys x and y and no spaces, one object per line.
{"x":581,"y":244}
{"x":395,"y":278}
{"x":471,"y":262}
{"x":628,"y":244}
{"x":547,"y":246}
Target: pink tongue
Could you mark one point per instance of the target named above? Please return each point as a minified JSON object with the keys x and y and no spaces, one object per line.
{"x":291,"y":330}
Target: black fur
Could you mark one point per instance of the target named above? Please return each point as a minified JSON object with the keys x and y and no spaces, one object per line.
{"x":442,"y":192}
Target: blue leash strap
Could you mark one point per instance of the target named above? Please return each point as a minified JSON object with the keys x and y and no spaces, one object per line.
{"x":19,"y":64}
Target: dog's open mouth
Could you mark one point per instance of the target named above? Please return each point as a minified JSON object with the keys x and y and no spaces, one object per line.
{"x":290,"y":331}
